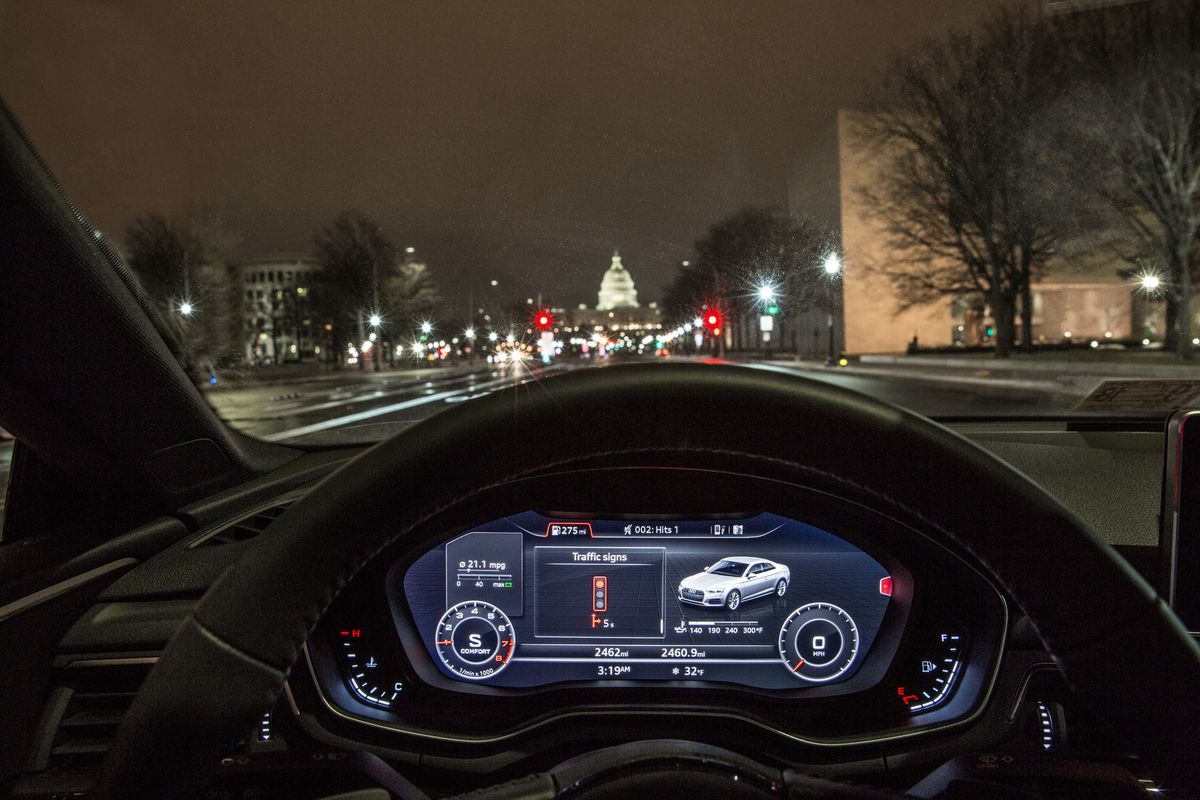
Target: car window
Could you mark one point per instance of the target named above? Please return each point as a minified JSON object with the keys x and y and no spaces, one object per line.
{"x":730,"y":568}
{"x":967,"y":218}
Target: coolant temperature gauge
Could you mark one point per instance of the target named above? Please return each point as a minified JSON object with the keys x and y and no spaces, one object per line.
{"x":367,"y":676}
{"x":935,"y":669}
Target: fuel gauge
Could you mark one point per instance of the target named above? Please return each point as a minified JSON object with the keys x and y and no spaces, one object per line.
{"x":368,"y":677}
{"x":934,"y":671}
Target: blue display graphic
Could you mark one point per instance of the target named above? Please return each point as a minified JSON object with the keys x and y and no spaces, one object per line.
{"x":764,"y":601}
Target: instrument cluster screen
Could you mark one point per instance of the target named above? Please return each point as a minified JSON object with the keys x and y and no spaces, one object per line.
{"x":763,"y":601}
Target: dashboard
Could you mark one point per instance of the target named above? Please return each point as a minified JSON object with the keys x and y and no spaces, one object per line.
{"x":763,"y":601}
{"x":790,"y":615}
{"x":371,"y":676}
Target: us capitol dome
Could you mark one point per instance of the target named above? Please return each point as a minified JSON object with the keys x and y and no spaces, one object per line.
{"x":616,"y":288}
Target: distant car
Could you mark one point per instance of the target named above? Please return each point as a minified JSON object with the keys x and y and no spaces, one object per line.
{"x":732,"y":581}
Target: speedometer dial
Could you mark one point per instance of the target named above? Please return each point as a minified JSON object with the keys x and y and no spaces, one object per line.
{"x":475,"y":640}
{"x":818,"y":642}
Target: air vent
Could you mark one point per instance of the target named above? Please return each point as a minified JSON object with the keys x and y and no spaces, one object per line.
{"x":84,"y":711}
{"x":244,"y":528}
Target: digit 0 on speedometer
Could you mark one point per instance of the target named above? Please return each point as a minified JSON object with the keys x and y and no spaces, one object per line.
{"x":818,"y":642}
{"x":475,"y":640}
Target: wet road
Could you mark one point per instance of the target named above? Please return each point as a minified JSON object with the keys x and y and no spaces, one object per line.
{"x":353,"y":406}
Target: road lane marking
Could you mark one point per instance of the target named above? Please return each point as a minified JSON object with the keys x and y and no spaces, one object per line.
{"x":370,"y":413}
{"x":374,"y":394}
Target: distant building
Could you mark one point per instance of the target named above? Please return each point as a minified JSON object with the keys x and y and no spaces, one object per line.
{"x":276,"y":309}
{"x":617,"y":307}
{"x":1081,"y":296}
{"x":616,"y":287}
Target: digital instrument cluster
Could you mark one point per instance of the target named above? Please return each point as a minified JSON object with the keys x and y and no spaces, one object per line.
{"x":763,"y":601}
{"x":557,"y":622}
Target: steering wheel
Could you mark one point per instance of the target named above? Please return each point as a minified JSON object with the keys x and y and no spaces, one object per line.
{"x":1122,"y":651}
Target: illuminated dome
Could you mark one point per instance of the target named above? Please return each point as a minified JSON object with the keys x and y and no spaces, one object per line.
{"x":616,"y":288}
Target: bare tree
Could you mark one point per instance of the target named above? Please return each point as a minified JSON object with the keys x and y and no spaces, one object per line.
{"x":184,"y":268}
{"x":365,"y":275}
{"x":1131,"y":127}
{"x":358,"y":260}
{"x":956,"y":192}
{"x":752,"y":248}
{"x":411,"y":293}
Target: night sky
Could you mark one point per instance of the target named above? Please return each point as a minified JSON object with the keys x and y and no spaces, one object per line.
{"x":520,"y":142}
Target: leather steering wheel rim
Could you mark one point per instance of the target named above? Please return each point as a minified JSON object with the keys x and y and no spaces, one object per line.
{"x":1120,"y":648}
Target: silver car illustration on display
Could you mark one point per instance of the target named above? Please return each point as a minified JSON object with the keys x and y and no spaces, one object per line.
{"x":732,"y":581}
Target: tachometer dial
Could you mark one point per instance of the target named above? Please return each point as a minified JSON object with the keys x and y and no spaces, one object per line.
{"x":369,"y":678}
{"x":818,"y":642}
{"x":475,"y":640}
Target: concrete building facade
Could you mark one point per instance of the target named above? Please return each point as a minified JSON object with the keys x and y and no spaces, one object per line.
{"x":277,"y":322}
{"x":1078,"y":297}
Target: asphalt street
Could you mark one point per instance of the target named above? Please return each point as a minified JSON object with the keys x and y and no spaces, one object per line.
{"x":351,"y":405}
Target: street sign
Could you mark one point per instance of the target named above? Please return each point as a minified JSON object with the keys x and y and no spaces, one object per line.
{"x":766,"y":323}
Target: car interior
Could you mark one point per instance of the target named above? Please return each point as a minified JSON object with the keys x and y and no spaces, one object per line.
{"x":965,"y":607}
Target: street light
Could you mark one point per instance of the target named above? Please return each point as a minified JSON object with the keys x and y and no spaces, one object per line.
{"x":766,"y":292}
{"x":1151,"y":282}
{"x":375,"y":320}
{"x":493,"y":336}
{"x":469,"y":333}
{"x":426,"y":327}
{"x":186,"y":308}
{"x":833,"y":268}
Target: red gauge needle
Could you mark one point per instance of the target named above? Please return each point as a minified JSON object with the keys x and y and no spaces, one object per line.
{"x":448,"y":641}
{"x":799,"y":664}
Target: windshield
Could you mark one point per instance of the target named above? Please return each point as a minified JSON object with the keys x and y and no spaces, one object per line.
{"x":350,"y":217}
{"x":731,"y":568}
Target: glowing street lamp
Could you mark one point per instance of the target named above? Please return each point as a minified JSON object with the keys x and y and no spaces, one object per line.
{"x":766,"y":293}
{"x":375,"y":320}
{"x":493,"y":336}
{"x":833,"y":268}
{"x":426,"y":327}
{"x":186,"y":308}
{"x":1150,"y":282}
{"x":469,"y":333}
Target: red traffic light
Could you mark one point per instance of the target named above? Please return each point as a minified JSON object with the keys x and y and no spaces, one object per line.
{"x":544,"y":319}
{"x":713,"y":321}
